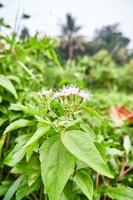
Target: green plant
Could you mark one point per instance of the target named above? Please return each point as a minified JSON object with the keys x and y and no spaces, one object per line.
{"x":62,"y":144}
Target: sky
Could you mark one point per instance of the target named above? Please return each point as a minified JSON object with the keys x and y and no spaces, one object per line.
{"x":47,"y":15}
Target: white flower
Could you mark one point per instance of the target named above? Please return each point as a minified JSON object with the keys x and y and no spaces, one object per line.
{"x":57,"y":94}
{"x":85,"y":94}
{"x":68,"y":90}
{"x":73,"y":90}
{"x":45,"y":92}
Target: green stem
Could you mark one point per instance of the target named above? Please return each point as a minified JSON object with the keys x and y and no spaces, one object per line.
{"x":41,"y":193}
{"x":46,"y":197}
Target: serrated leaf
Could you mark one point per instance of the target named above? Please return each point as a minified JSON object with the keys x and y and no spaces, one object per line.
{"x":7,"y":84}
{"x":84,"y":182}
{"x":57,"y":165}
{"x":18,"y":124}
{"x":13,"y":189}
{"x":82,"y":147}
{"x":38,"y":134}
{"x":120,"y":193}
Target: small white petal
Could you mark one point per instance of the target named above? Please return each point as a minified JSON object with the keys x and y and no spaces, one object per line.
{"x":45,"y":92}
{"x":68,"y":90}
{"x":85,"y":94}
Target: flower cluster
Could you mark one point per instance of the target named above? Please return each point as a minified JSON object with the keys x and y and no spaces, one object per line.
{"x":70,"y":97}
{"x":67,"y":91}
{"x":72,"y":90}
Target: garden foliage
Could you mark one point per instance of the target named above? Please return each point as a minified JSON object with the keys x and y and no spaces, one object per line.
{"x":57,"y":139}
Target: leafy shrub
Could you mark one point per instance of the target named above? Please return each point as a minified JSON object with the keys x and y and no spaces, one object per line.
{"x":60,"y":144}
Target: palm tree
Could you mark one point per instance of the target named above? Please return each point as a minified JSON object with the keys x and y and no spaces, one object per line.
{"x":24,"y":33}
{"x":69,"y":35}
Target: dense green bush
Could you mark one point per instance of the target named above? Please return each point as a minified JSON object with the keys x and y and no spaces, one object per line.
{"x":61,"y":144}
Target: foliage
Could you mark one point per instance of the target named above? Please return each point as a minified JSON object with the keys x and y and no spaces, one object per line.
{"x":61,"y":144}
{"x":112,"y":39}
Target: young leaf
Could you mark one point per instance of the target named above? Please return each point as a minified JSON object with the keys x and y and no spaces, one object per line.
{"x":82,"y":147}
{"x":120,"y":193}
{"x":38,"y":134}
{"x":18,"y":124}
{"x":57,"y":165}
{"x":7,"y":84}
{"x":13,"y":189}
{"x":83,"y":180}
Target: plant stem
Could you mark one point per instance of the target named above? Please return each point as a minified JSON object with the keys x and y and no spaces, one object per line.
{"x":41,"y":193}
{"x":127,"y":170}
{"x":97,"y":180}
{"x":122,"y":171}
{"x":46,"y":197}
{"x":104,"y":198}
{"x":34,"y":196}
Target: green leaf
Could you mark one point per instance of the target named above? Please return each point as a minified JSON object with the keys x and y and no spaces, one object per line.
{"x":53,"y":56}
{"x":28,"y":71}
{"x":92,"y":112}
{"x":18,"y":124}
{"x":13,"y":189}
{"x":2,"y":121}
{"x":7,"y":84}
{"x":4,"y":186}
{"x":27,"y":168}
{"x":83,"y":148}
{"x":18,"y":152}
{"x":120,"y":193}
{"x":25,"y":190}
{"x":2,"y":140}
{"x":15,"y":156}
{"x":84,"y":182}
{"x":38,"y":134}
{"x":29,"y":151}
{"x":86,"y":128}
{"x":1,"y":99}
{"x":68,"y":191}
{"x":57,"y":165}
{"x":14,"y":78}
